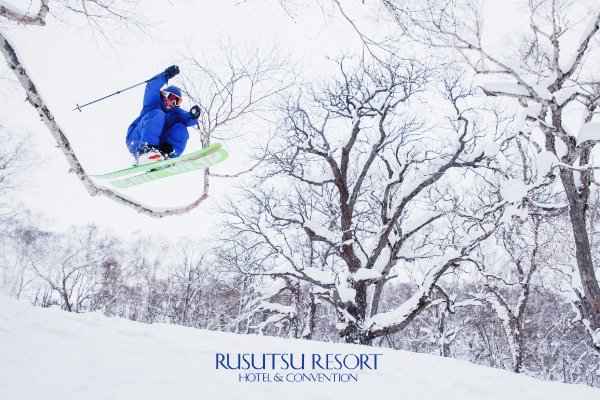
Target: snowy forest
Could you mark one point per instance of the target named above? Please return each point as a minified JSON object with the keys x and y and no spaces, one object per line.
{"x":432,"y":189}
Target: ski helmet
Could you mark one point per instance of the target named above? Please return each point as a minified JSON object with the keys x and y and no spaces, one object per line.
{"x":171,"y":96}
{"x":173,"y":89}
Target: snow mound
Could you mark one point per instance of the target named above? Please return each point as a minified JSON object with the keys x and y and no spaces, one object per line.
{"x":589,"y":131}
{"x":504,"y":87}
{"x":546,"y":161}
{"x":513,"y":190}
{"x":364,"y":274}
{"x":50,"y":354}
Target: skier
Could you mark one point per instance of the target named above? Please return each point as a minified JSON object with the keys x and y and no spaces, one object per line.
{"x":160,"y":132}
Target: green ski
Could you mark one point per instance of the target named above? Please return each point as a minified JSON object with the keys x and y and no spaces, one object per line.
{"x":160,"y":164}
{"x":199,"y":162}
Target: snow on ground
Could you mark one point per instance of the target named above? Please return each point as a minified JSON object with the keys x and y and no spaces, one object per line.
{"x":51,"y":354}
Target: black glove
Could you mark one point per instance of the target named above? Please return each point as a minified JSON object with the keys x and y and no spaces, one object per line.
{"x":171,"y":72}
{"x":195,"y":112}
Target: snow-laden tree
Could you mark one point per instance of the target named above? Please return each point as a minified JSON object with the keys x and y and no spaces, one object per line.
{"x":18,"y":242}
{"x":507,"y":278}
{"x":551,"y":71}
{"x":194,"y":296}
{"x":72,"y":264}
{"x":362,"y":184}
{"x":16,"y":224}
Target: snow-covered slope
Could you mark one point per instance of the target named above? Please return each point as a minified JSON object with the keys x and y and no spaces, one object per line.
{"x":51,"y":354}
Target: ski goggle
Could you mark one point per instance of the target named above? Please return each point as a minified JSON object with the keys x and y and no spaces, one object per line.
{"x":172,"y":99}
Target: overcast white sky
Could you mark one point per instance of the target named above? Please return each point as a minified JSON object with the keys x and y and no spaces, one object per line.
{"x":70,"y":69}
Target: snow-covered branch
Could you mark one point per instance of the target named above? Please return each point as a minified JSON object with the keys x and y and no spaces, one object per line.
{"x":12,"y":13}
{"x":397,"y":319}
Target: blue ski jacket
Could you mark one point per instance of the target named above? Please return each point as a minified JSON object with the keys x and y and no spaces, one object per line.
{"x":153,"y":101}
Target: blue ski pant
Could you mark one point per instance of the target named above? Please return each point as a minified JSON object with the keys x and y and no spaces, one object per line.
{"x":151,"y":131}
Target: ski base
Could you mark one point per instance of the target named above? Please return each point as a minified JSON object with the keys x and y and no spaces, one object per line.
{"x":204,"y":161}
{"x":159,"y":164}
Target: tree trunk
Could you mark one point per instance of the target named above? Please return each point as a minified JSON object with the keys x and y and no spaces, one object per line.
{"x":589,"y":304}
{"x":377,"y":296}
{"x":310,"y":319}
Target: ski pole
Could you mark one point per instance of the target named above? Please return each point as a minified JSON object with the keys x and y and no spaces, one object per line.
{"x":195,"y":113}
{"x":105,"y":97}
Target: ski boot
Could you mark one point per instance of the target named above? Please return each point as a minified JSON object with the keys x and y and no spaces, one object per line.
{"x":149,"y":154}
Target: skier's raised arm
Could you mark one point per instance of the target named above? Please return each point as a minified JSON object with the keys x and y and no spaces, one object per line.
{"x":152,"y":92}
